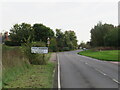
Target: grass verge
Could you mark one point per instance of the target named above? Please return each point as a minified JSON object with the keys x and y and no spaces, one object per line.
{"x":12,"y":73}
{"x":108,"y":55}
{"x":13,"y":63}
{"x":38,"y":76}
{"x":19,"y":73}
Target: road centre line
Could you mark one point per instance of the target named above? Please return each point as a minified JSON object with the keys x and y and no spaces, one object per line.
{"x":102,"y":73}
{"x":116,"y":81}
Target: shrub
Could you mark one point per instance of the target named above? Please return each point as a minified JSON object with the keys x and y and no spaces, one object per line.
{"x":53,"y":45}
{"x":104,"y":48}
{"x":66,"y":48}
{"x":11,"y":43}
{"x":34,"y":58}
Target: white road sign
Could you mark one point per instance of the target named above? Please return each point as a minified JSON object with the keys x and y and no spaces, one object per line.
{"x":39,"y":50}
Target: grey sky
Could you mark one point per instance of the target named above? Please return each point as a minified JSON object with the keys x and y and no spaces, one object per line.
{"x":77,"y":16}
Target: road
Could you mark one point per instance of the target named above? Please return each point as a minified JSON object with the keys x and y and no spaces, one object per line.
{"x":78,"y":71}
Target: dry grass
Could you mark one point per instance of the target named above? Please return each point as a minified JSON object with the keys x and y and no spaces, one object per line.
{"x":13,"y":63}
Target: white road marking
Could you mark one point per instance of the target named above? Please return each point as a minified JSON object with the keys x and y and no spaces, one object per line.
{"x":104,"y":74}
{"x":86,"y":63}
{"x":100,"y":71}
{"x":96,"y":69}
{"x":116,"y":81}
{"x":59,"y":86}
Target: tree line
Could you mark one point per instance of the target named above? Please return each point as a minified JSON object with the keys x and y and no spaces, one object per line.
{"x":103,"y":35}
{"x":27,"y":33}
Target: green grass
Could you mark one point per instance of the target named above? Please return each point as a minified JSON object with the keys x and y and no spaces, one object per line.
{"x":39,"y":76}
{"x":10,"y":74}
{"x":108,"y":55}
{"x":17,"y":71}
{"x":13,"y":63}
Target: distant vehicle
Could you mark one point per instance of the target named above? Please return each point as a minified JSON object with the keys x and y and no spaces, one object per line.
{"x":84,"y":49}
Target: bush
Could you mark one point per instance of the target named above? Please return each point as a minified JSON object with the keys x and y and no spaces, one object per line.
{"x":34,"y":58}
{"x":53,"y":45}
{"x":11,"y":43}
{"x":66,"y":48}
{"x":104,"y":48}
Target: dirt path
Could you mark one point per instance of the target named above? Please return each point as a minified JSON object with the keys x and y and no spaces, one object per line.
{"x":53,"y":57}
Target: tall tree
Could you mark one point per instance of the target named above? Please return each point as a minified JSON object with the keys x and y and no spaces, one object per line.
{"x":111,"y":39}
{"x":42,"y":32}
{"x":21,"y":33}
{"x":60,"y":39}
{"x":70,"y":39}
{"x":118,"y":35}
{"x":66,"y":40}
{"x":53,"y":45}
{"x":99,"y":32}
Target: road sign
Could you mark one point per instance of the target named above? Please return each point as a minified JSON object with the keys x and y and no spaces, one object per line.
{"x":41,"y":50}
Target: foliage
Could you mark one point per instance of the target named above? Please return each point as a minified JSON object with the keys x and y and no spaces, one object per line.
{"x":42,"y":32}
{"x":16,"y":68}
{"x":111,"y":39}
{"x":53,"y":45}
{"x":104,"y":48}
{"x":70,"y":40}
{"x":66,"y":40}
{"x":12,"y":43}
{"x":99,"y":32}
{"x":13,"y":63}
{"x":34,"y":58}
{"x":25,"y":33}
{"x":84,"y":45}
{"x":118,"y":36}
{"x":60,"y":39}
{"x":66,"y":48}
{"x":21,"y":33}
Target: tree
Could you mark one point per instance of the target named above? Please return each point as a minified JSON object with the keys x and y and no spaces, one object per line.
{"x":60,"y":39}
{"x":41,"y":32}
{"x":53,"y":44}
{"x":99,"y":32}
{"x":21,"y":33}
{"x":66,"y":40}
{"x":111,"y":39}
{"x":118,"y":36}
{"x":70,"y":39}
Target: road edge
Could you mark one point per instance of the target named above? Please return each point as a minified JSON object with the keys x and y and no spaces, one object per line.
{"x":59,"y":84}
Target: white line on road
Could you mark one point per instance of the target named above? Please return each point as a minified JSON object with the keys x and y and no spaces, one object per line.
{"x":108,"y":76}
{"x":96,"y":69}
{"x":59,"y":86}
{"x":100,"y":71}
{"x":86,"y":63}
{"x":116,"y":81}
{"x":103,"y":73}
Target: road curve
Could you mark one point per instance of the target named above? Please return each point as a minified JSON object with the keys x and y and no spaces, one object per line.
{"x":78,"y":71}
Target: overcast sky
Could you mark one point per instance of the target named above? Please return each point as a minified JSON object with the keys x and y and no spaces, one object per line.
{"x":79,"y":16}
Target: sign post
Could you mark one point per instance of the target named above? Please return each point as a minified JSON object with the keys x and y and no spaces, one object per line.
{"x":41,"y":50}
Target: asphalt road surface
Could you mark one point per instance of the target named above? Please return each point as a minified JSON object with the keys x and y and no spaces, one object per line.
{"x":78,"y":71}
